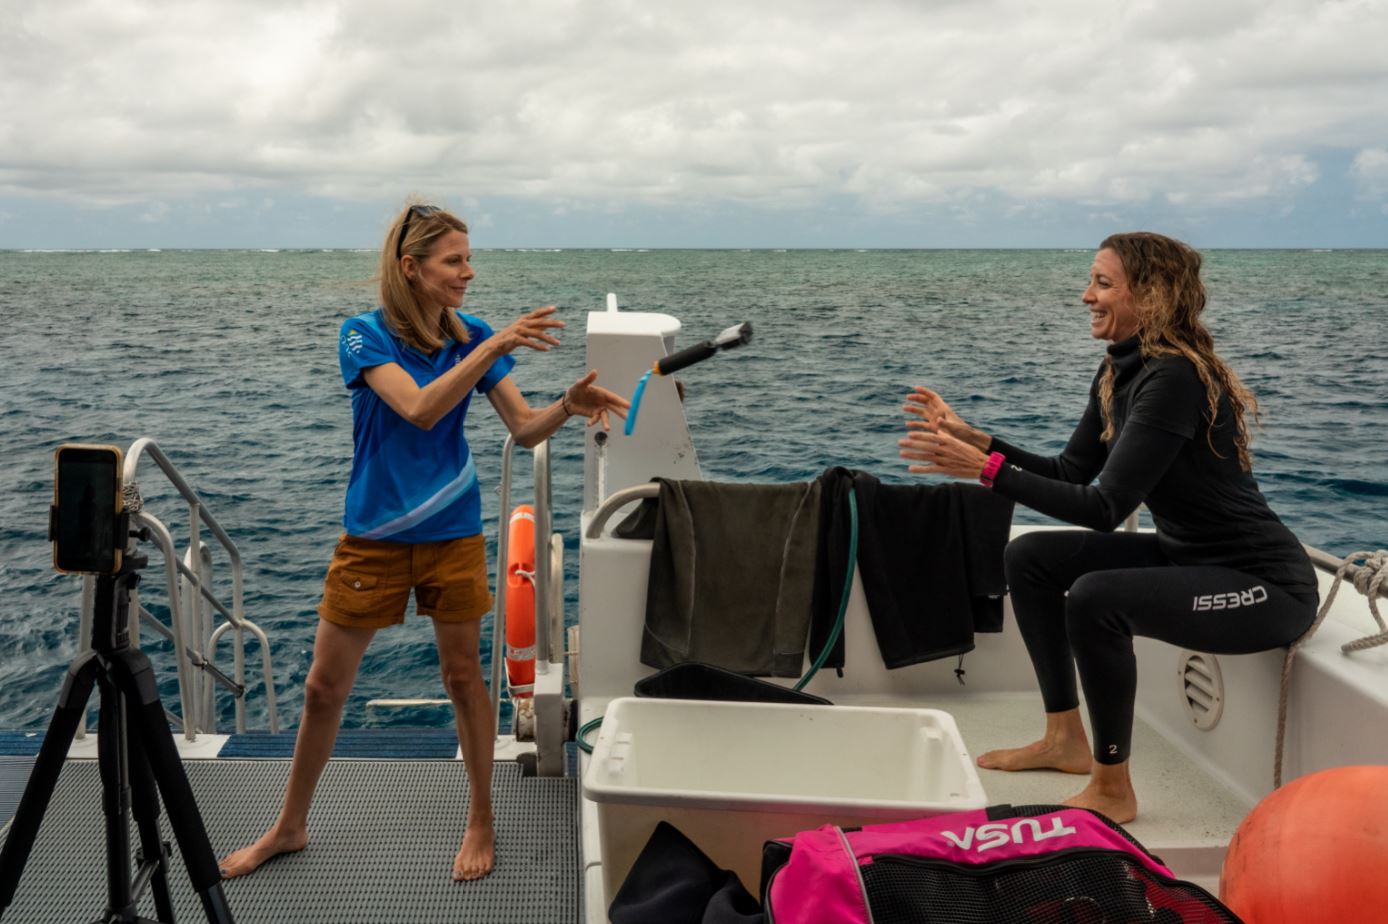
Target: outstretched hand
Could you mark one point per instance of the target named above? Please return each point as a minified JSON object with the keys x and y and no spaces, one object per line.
{"x":940,"y":452}
{"x":530,"y":330}
{"x":939,"y":439}
{"x":586,"y":399}
{"x":937,"y":416}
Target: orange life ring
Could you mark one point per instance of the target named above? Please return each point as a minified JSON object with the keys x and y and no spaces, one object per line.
{"x":520,"y":603}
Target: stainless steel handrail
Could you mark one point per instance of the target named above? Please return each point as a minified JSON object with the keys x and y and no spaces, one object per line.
{"x":238,"y":686}
{"x":620,"y":499}
{"x":545,"y":636}
{"x":199,"y":515}
{"x":615,"y":502}
{"x":503,"y":548}
{"x":548,"y":598}
{"x":186,"y":656}
{"x":182,"y":662}
{"x":556,"y":596}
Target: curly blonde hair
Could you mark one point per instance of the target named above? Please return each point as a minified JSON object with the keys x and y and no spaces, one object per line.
{"x":1163,"y":275}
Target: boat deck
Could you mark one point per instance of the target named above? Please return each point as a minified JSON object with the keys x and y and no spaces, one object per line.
{"x":383,"y":842}
{"x":382,"y":846}
{"x":1185,"y":816}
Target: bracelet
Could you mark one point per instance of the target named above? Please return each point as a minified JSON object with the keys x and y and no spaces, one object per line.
{"x":564,"y":402}
{"x":990,"y":469}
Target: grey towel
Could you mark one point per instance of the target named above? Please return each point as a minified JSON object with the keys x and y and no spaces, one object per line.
{"x":732,"y":575}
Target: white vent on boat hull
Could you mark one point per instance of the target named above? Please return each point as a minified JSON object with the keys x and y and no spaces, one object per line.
{"x":1202,"y":688}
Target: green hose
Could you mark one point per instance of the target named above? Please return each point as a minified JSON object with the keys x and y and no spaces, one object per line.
{"x":843,"y":601}
{"x":582,"y":736}
{"x":591,"y":724}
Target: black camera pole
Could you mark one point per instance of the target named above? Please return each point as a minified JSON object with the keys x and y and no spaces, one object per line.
{"x":136,"y":753}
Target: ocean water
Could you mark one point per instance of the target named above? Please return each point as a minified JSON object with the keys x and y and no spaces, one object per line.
{"x":227,"y":359}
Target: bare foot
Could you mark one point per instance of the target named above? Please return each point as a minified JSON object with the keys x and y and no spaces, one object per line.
{"x":1120,"y":807}
{"x":477,"y":855}
{"x":271,"y":844}
{"x":1040,"y":755}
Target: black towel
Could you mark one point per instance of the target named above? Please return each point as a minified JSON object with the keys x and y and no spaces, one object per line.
{"x":731,"y":576}
{"x":930,"y":557}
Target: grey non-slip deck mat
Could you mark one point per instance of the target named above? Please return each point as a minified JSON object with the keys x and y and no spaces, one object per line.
{"x":382,"y":837}
{"x":14,"y":774}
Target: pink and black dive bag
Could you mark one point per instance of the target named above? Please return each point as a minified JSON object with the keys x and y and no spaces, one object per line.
{"x":1037,"y":864}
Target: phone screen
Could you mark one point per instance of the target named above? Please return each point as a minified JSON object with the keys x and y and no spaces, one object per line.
{"x":87,"y":487}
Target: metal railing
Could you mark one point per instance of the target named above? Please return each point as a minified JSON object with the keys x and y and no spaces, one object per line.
{"x":191,"y":604}
{"x":615,"y":502}
{"x":549,"y":573}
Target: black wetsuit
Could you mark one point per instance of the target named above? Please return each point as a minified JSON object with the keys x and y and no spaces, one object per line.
{"x":1222,"y":574}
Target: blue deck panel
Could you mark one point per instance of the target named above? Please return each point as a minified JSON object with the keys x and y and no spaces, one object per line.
{"x":397,"y":743}
{"x":18,"y":748}
{"x":20,"y":743}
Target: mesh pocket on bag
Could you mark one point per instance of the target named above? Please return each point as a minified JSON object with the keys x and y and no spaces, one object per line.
{"x":1089,"y":887}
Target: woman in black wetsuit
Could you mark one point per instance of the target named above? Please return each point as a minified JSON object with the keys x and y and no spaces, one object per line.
{"x":1165,"y":426}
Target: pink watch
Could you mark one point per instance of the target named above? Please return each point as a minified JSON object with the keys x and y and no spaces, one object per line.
{"x":990,"y":469}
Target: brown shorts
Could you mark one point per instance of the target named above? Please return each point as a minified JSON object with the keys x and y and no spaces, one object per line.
{"x":369,"y":581}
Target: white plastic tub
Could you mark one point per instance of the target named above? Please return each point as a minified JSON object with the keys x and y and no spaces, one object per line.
{"x":731,"y":776}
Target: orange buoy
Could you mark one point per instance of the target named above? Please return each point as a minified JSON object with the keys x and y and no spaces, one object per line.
{"x":520,"y":603}
{"x":1313,"y":851}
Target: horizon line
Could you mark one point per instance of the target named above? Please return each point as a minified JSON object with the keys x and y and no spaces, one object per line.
{"x":624,"y":248}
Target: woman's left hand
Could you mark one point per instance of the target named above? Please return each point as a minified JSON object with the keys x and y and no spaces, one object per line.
{"x":586,"y":399}
{"x":941,"y":453}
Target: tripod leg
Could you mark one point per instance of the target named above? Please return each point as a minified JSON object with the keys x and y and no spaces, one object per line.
{"x":147,"y":711}
{"x":144,"y":802}
{"x":72,"y":703}
{"x":112,"y":748}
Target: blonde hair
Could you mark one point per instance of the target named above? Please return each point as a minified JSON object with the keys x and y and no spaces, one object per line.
{"x":1163,"y":275}
{"x":418,"y":324}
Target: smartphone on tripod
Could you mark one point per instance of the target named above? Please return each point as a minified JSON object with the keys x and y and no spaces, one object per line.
{"x":87,"y":509}
{"x":139,"y":765}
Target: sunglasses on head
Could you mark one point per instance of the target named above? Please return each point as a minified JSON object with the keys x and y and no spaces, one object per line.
{"x":423,"y":211}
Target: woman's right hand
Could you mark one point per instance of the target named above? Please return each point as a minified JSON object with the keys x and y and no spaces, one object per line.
{"x":529,"y":330}
{"x":936,"y":416}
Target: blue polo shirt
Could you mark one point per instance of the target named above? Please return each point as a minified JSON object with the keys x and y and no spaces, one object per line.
{"x":408,"y":484}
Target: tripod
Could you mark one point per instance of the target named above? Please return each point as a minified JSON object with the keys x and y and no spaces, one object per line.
{"x":135,"y":751}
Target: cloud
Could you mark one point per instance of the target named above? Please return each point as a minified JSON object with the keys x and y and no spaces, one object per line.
{"x":1370,"y":171}
{"x":611,"y":103}
{"x":154,"y":213}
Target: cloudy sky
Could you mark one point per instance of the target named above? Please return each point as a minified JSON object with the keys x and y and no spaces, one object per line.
{"x":935,"y":123}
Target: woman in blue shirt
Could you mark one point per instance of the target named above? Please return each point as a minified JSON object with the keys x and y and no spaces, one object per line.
{"x":413,"y":520}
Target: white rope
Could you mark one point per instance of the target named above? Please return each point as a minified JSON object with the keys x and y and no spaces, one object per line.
{"x":1368,"y":580}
